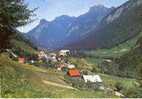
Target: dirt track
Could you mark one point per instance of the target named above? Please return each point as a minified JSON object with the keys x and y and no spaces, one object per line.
{"x":58,"y":85}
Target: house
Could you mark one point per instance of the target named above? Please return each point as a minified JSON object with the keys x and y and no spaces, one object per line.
{"x":60,"y":58}
{"x":33,"y":58}
{"x":61,"y":65}
{"x":42,"y":55}
{"x":74,"y":73}
{"x":71,"y":66}
{"x":64,"y":52}
{"x":53,"y":57}
{"x":108,"y":61}
{"x":32,"y":61}
{"x":21,"y":60}
{"x":92,"y":78}
{"x":59,"y":69}
{"x":53,"y":54}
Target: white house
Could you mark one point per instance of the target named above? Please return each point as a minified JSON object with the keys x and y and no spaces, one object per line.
{"x":71,"y":66}
{"x":64,"y":52}
{"x":108,"y":60}
{"x":41,"y":55}
{"x":53,"y":57}
{"x":53,"y":54}
{"x":92,"y":78}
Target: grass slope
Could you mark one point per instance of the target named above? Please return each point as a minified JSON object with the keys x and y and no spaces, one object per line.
{"x":98,"y":56}
{"x":20,"y":41}
{"x":116,"y":51}
{"x":27,"y":81}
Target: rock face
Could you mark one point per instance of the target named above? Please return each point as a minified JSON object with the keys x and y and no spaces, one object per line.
{"x":65,"y":30}
{"x":122,"y":24}
{"x":116,"y":15}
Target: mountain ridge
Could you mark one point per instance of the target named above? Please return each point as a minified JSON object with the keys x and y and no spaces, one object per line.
{"x":115,"y":28}
{"x":65,"y":29}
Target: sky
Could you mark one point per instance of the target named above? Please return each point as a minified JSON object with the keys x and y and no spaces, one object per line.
{"x":50,"y":9}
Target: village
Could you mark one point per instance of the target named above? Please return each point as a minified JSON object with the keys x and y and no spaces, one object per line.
{"x":59,"y":60}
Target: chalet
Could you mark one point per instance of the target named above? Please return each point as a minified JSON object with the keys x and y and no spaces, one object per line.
{"x":92,"y":78}
{"x":53,"y":54}
{"x":74,"y":73}
{"x":60,"y":58}
{"x":64,"y":52}
{"x":71,"y":66}
{"x":53,"y":57}
{"x":21,"y":60}
{"x":61,"y":65}
{"x":42,"y":55}
{"x":32,"y":61}
{"x":108,"y":61}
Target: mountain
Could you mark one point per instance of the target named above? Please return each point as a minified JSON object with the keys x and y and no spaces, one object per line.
{"x":122,"y":24}
{"x":65,"y":29}
{"x":87,"y":22}
{"x":36,"y":31}
{"x":56,"y":32}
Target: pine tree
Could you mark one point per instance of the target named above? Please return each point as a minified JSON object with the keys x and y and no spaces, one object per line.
{"x":13,"y":13}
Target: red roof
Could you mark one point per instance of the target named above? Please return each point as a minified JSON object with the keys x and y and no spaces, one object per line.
{"x":21,"y":60}
{"x":74,"y":73}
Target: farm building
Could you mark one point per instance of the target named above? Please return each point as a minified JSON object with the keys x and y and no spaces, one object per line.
{"x":108,"y":60}
{"x":21,"y":60}
{"x":61,"y":65}
{"x":71,"y":66}
{"x":42,"y":55}
{"x":64,"y":52}
{"x":92,"y":78}
{"x":52,"y":57}
{"x":74,"y":73}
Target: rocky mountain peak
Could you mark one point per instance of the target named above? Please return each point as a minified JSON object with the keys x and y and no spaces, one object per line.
{"x":43,"y":21}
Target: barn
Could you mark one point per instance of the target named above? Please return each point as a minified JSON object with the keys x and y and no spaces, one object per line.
{"x":74,"y":73}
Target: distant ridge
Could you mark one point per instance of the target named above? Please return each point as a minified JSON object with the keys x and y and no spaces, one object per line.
{"x":122,"y":24}
{"x":65,"y":29}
